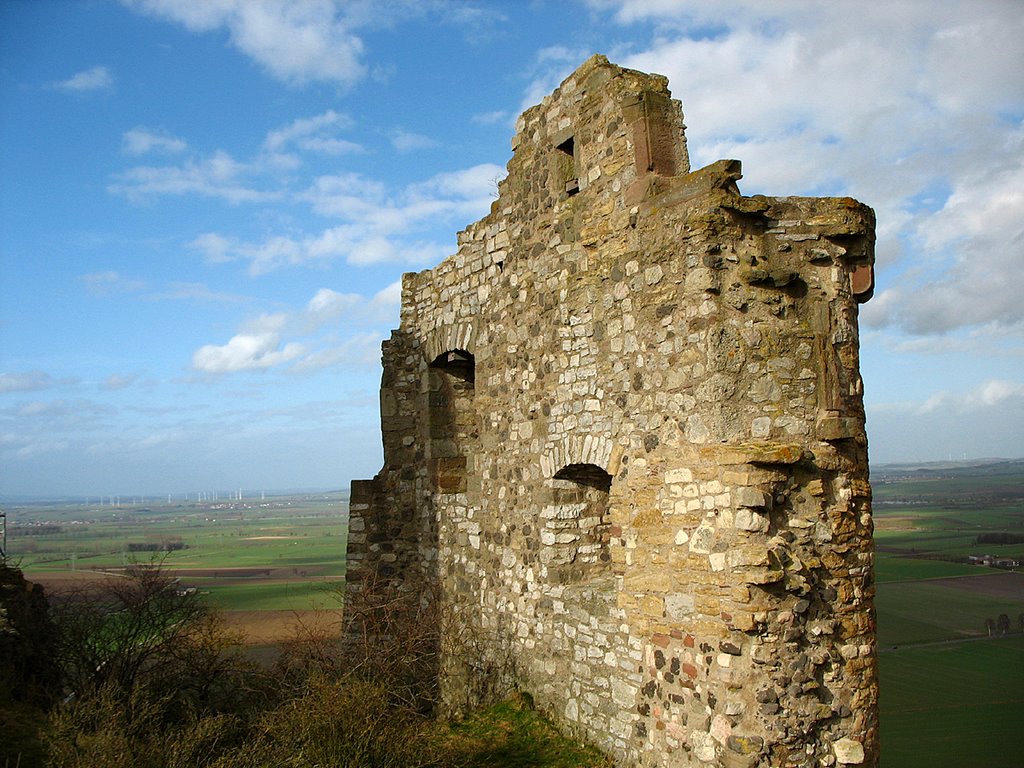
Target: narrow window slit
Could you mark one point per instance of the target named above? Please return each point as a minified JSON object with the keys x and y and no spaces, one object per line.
{"x":567,"y":166}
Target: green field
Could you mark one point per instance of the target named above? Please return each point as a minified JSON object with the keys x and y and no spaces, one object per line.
{"x":284,"y":596}
{"x":926,"y":610}
{"x":951,"y":695}
{"x":960,"y":704}
{"x":278,"y":554}
{"x":890,"y":568}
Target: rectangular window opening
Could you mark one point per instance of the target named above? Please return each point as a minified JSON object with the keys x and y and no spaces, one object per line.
{"x":568,"y":166}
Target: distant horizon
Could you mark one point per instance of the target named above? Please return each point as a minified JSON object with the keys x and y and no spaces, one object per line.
{"x":146,"y":499}
{"x":133,"y":499}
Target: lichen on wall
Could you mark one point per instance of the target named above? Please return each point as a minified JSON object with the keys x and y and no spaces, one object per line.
{"x":624,"y":444}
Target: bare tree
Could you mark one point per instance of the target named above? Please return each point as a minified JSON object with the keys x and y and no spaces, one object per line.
{"x":1003,"y":623}
{"x":990,"y":625}
{"x":109,"y":634}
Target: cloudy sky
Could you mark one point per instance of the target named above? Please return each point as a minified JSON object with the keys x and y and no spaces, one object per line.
{"x":206,"y":207}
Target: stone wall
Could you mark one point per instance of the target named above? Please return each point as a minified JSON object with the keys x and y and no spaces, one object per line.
{"x":625,"y":452}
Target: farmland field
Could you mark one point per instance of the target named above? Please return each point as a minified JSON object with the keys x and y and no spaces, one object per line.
{"x":949,"y":690}
{"x":962,"y":700}
{"x":266,"y":564}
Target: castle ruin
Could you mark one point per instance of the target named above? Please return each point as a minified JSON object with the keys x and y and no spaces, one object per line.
{"x":624,"y":448}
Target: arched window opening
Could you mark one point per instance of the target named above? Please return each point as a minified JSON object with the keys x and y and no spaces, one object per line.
{"x":589,"y":475}
{"x":575,"y":529}
{"x":458,"y":363}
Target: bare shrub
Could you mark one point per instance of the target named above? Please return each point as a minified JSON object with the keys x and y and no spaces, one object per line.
{"x":392,"y":635}
{"x":108,"y":730}
{"x":146,"y":666}
{"x":343,"y":724}
{"x":108,"y":634}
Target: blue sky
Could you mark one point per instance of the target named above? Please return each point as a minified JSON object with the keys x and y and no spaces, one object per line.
{"x":206,"y":207}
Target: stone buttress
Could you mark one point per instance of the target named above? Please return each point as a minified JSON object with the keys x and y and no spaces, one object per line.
{"x":624,"y":446}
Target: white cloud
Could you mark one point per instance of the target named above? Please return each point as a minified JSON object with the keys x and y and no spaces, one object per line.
{"x":117,"y":381}
{"x":218,"y":176}
{"x":985,"y":421}
{"x":295,"y":41}
{"x":276,"y":252}
{"x":389,"y":297}
{"x":346,"y":196}
{"x":25,"y":382}
{"x":300,"y":128}
{"x":328,"y":304}
{"x":63,"y":412}
{"x":375,"y":228}
{"x":243,"y":352}
{"x":110,"y":282}
{"x":995,"y":394}
{"x":975,"y":243}
{"x":329,"y":146}
{"x":406,"y":141}
{"x":331,"y":328}
{"x":315,"y":134}
{"x":490,"y":118}
{"x":255,"y":348}
{"x":21,"y":447}
{"x":96,"y":78}
{"x":264,"y":178}
{"x":40,"y":407}
{"x":139,"y":141}
{"x":552,"y":66}
{"x":361,"y":349}
{"x":216,"y":248}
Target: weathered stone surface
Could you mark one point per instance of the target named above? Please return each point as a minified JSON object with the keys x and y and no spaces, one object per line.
{"x":624,"y":447}
{"x":849,"y":752}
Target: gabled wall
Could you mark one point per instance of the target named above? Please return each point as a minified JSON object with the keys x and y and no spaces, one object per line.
{"x":625,"y":452}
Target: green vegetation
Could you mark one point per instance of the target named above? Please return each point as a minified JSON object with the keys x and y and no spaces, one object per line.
{"x":278,"y":554}
{"x":285,"y":596}
{"x":152,"y":680}
{"x":947,"y":687}
{"x":954,"y":482}
{"x":889,"y":568}
{"x":513,"y":734}
{"x":928,"y":610}
{"x":964,"y":700}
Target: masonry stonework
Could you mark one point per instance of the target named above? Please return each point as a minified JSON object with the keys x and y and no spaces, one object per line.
{"x":625,"y":451}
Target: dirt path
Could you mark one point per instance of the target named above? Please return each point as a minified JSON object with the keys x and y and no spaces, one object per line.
{"x":951,"y":641}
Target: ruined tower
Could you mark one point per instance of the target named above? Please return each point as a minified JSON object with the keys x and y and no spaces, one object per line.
{"x":624,"y":448}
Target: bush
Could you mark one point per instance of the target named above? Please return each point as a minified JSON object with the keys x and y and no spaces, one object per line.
{"x":140,"y":632}
{"x":168,"y":690}
{"x":999,"y":538}
{"x":106,"y":730}
{"x":342,"y":723}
